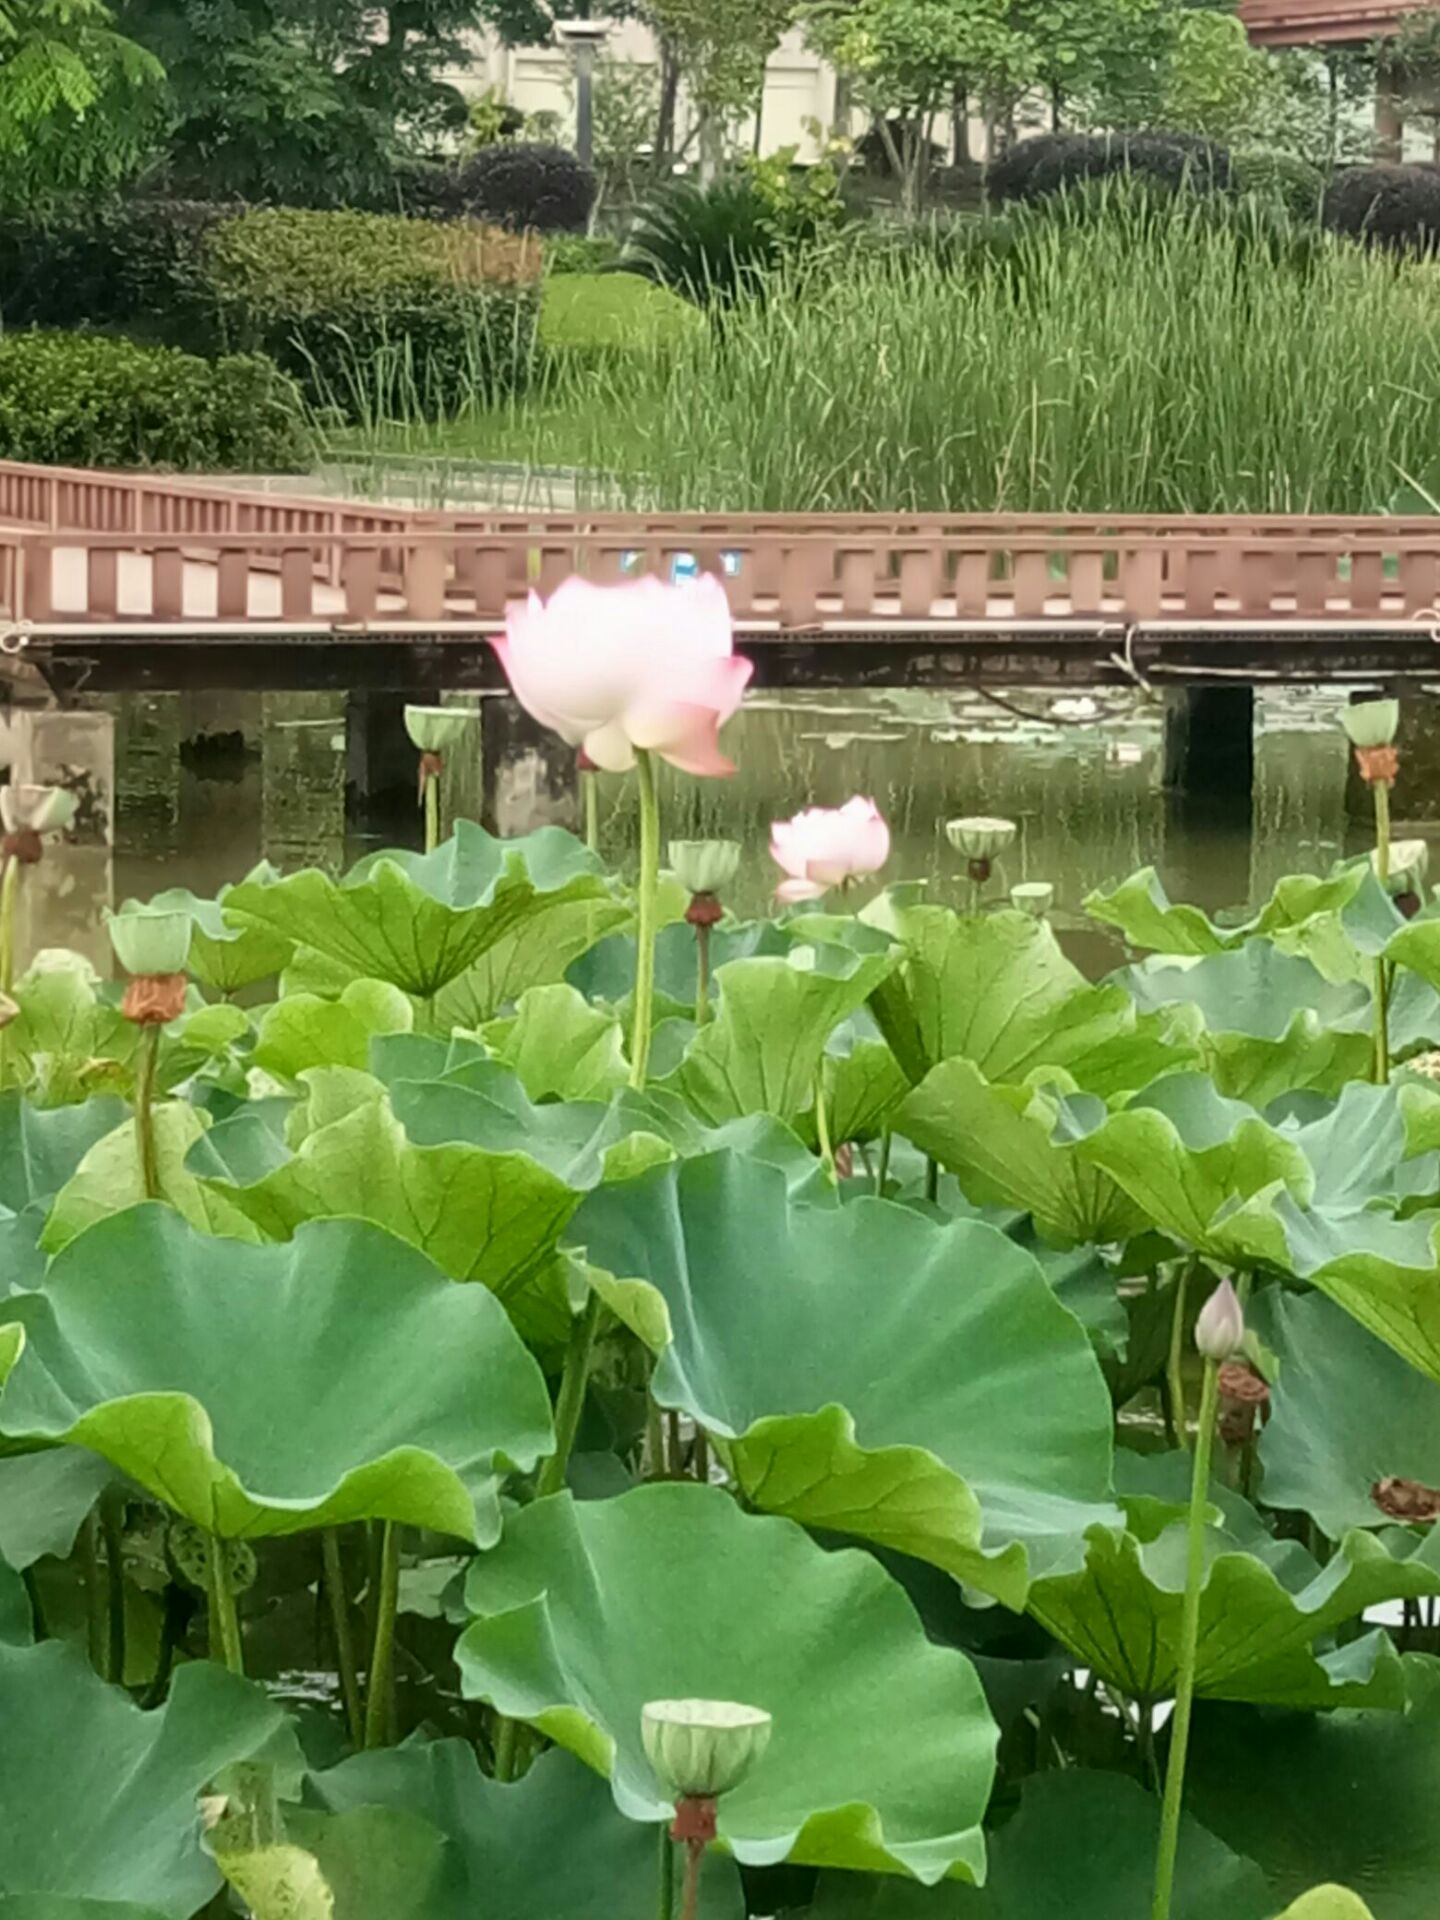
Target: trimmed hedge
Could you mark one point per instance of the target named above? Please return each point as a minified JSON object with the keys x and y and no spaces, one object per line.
{"x":346,"y":300}
{"x":1386,"y":206}
{"x":116,"y":262}
{"x":91,"y":400}
{"x":1280,"y":179}
{"x":520,"y":185}
{"x":1052,"y":162}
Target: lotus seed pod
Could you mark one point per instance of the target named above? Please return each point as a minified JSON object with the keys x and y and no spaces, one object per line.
{"x":980,"y":838}
{"x":436,"y":729}
{"x":1372,"y":723}
{"x":31,"y":809}
{"x":187,"y":1549}
{"x":1220,"y":1329}
{"x":705,"y":866}
{"x":1033,"y":897}
{"x":1409,"y":864}
{"x":702,"y":1748}
{"x":150,"y":942}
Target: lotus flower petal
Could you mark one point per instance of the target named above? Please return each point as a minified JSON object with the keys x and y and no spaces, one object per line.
{"x":825,"y":846}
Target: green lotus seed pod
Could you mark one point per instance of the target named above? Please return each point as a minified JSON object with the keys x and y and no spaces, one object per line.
{"x":705,"y":866}
{"x":700,"y":1749}
{"x":187,"y":1550}
{"x":436,"y":729}
{"x":1033,"y":897}
{"x":36,"y":809}
{"x":980,"y":838}
{"x":1372,"y":723}
{"x":148,"y":942}
{"x":1409,"y":864}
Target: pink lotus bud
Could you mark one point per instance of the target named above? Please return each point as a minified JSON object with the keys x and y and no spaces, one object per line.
{"x":826,"y":846}
{"x":639,"y":666}
{"x":1220,"y":1329}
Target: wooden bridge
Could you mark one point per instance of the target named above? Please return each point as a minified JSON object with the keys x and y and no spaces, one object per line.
{"x":113,"y":581}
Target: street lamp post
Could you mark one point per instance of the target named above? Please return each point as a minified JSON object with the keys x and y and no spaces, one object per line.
{"x":584,"y":38}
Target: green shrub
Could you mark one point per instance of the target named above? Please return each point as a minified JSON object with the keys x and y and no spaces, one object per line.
{"x":714,"y":243}
{"x":1054,"y":162}
{"x":375,"y":309}
{"x":1281,"y":179}
{"x":115,"y":262}
{"x":581,"y":253}
{"x":92,"y":400}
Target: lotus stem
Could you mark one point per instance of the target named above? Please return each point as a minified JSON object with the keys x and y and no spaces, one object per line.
{"x":590,"y":792}
{"x":570,"y":1401}
{"x":1381,"y":790}
{"x":1189,"y":1641}
{"x":507,"y":1750}
{"x":700,"y":1456}
{"x":144,"y":1109}
{"x":690,"y":1900}
{"x":94,"y":1604}
{"x":645,"y":930}
{"x":674,"y":1447}
{"x":8,"y":890}
{"x":654,"y":1439}
{"x":822,"y":1124}
{"x":333,"y":1578}
{"x":382,"y":1658}
{"x":882,"y":1170}
{"x":932,"y":1179}
{"x":110,"y":1531}
{"x":1174,"y":1363}
{"x":432,"y":812}
{"x":667,"y":1874}
{"x":224,"y":1621}
{"x":702,"y":974}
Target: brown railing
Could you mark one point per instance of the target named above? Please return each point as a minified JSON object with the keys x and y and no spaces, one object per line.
{"x":106,"y":551}
{"x":1291,"y":23}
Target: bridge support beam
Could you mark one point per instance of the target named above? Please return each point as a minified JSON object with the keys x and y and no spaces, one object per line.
{"x":303,"y":771}
{"x":1209,"y":784}
{"x":529,"y":772}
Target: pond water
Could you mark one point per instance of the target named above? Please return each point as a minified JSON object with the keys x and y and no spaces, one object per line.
{"x":194,"y":789}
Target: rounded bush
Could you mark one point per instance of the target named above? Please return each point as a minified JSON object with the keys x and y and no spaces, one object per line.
{"x":1386,"y":206}
{"x":524,"y":187}
{"x":1282,"y":180}
{"x":1051,"y":162}
{"x":94,"y":400}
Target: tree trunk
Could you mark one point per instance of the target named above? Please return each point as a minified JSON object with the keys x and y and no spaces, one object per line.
{"x":669,"y":99}
{"x":1057,"y":108}
{"x":960,"y":127}
{"x":712,"y":146}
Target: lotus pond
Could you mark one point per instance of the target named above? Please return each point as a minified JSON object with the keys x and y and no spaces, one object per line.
{"x":836,"y":1411}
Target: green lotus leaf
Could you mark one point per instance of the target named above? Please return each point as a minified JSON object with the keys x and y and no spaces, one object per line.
{"x":607,"y":972}
{"x":497,"y":1852}
{"x":132,"y":1351}
{"x":862,"y":1081}
{"x":1416,"y":945}
{"x":304,"y":1031}
{"x":883,"y":1750}
{"x":984,"y":1448}
{"x":419,"y":920}
{"x":1347,"y":1797}
{"x":225,"y":957}
{"x":1140,"y":908}
{"x":997,"y":990}
{"x":491,"y":1216}
{"x":762,"y":1051}
{"x":1346,"y":1411}
{"x":1268,"y":1609}
{"x":100,"y":1798}
{"x":1328,"y":1903}
{"x":1017,"y":1147}
{"x":1081,"y":1847}
{"x":560,"y":1047}
{"x":108,"y":1180}
{"x":1272,"y":1021}
{"x":44,"y":1498}
{"x":41,"y":1148}
{"x":537,"y":954}
{"x":60,"y":1906}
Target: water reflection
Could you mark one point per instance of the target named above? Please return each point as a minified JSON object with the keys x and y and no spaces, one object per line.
{"x":194,"y":789}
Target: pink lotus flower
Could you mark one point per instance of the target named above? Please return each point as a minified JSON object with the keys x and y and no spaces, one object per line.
{"x":643,"y":665}
{"x":826,"y":846}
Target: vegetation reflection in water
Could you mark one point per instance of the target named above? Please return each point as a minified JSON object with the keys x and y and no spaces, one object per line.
{"x":402,"y":1263}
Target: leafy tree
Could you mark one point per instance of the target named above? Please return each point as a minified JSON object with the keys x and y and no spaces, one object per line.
{"x":1215,"y":82}
{"x":1077,"y":50}
{"x":77,"y":98}
{"x":721,"y":47}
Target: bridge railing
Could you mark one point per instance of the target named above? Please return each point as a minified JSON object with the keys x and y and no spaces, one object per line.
{"x":850,"y":577}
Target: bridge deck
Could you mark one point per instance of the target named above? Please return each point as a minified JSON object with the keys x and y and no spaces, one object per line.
{"x":122,"y":580}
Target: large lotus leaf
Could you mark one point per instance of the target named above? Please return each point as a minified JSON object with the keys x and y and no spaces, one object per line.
{"x":1328,"y":1903}
{"x":560,"y":1047}
{"x":1266,"y":1607}
{"x":863,"y":1085}
{"x":271,"y":1389}
{"x":41,"y":1148}
{"x":983,"y":1446}
{"x":495,"y":1217}
{"x":1142,"y":911}
{"x":997,"y":990}
{"x":109,"y":1179}
{"x":303,"y":1030}
{"x":70,"y":1040}
{"x":1348,"y":1797}
{"x":761,"y":1052}
{"x":1346,"y":1411}
{"x":1081,"y":1847}
{"x":1183,"y":1153}
{"x":883,"y":1748}
{"x":1016,"y":1147}
{"x":419,"y":920}
{"x":1416,"y":945}
{"x":607,"y":972}
{"x":61,"y":1906}
{"x":100,"y":1799}
{"x":498,"y":1854}
{"x":44,"y":1498}
{"x":536,"y":954}
{"x":225,"y":957}
{"x":1272,"y":1021}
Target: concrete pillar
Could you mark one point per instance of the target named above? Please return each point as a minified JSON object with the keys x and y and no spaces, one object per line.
{"x":462,"y":785}
{"x":530,"y":778}
{"x":148,"y":731}
{"x":1209,"y":781}
{"x":1389,"y":118}
{"x":63,"y":898}
{"x":303,"y":770}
